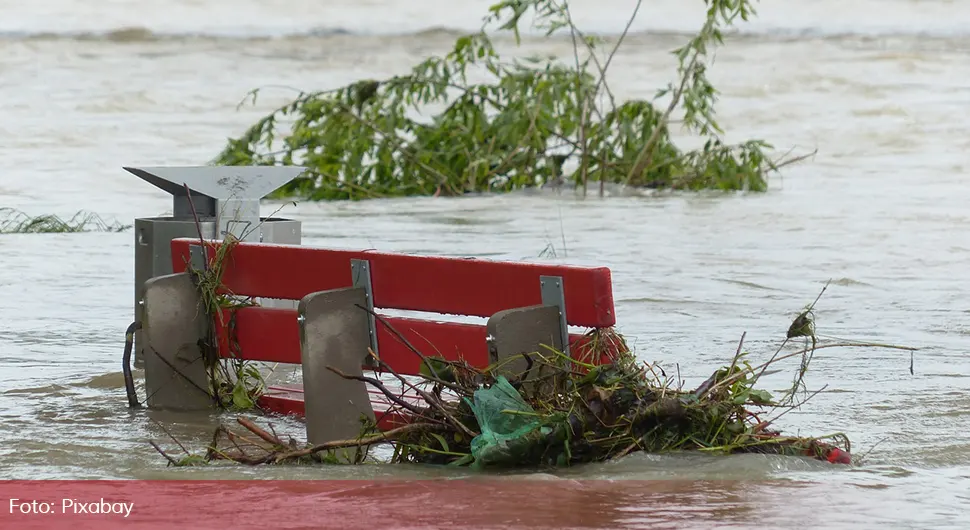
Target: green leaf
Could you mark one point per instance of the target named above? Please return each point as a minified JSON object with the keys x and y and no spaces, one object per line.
{"x":240,"y":397}
{"x":760,"y":397}
{"x":442,"y":441}
{"x":463,"y":461}
{"x":439,"y":365}
{"x":191,"y":460}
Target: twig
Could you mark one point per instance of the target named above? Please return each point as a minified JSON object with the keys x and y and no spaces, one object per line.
{"x":577,"y":34}
{"x":174,"y":439}
{"x":163,"y":453}
{"x":871,"y":449}
{"x":198,"y":227}
{"x":401,"y":337}
{"x":782,"y":163}
{"x":380,"y":386}
{"x":428,"y":398}
{"x":177,"y":372}
{"x":214,"y":446}
{"x":270,"y":425}
{"x":737,"y":353}
{"x":745,"y":371}
{"x":625,"y":451}
{"x":431,"y":344}
{"x":259,"y":225}
{"x":646,"y":153}
{"x":584,"y":154}
{"x":251,"y":95}
{"x":616,"y":47}
{"x":380,"y":437}
{"x":259,"y":432}
{"x":601,"y":67}
{"x":795,"y":406}
{"x":231,"y":436}
{"x":431,"y":400}
{"x":603,"y":174}
{"x":809,"y":309}
{"x":258,"y":444}
{"x":804,"y":322}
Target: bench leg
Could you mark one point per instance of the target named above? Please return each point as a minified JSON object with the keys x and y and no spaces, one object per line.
{"x":514,"y":332}
{"x":334,"y":332}
{"x":173,"y":323}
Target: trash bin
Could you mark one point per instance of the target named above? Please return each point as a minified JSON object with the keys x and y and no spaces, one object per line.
{"x":225,"y":199}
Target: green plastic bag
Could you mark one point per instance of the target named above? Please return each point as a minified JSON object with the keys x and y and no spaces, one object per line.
{"x":507,"y":422}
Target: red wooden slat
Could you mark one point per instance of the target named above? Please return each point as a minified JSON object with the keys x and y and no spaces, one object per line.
{"x":288,"y":401}
{"x":419,"y":283}
{"x":273,"y":335}
{"x":259,"y":334}
{"x":283,"y":401}
{"x":450,"y":340}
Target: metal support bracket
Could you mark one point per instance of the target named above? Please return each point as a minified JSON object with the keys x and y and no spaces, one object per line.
{"x":553,"y":294}
{"x":197,"y":258}
{"x":360,"y":274}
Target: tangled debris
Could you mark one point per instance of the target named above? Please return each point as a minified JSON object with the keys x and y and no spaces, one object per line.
{"x":559,"y":411}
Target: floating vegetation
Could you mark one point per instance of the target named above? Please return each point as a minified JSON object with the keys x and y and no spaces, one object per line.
{"x":13,"y":221}
{"x":563,"y":410}
{"x":496,"y":124}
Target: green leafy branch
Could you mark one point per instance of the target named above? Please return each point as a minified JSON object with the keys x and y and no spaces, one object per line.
{"x":439,"y":130}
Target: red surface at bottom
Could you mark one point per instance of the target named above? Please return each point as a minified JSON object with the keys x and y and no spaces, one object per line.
{"x":510,"y":502}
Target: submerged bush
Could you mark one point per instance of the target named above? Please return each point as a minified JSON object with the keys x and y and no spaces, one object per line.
{"x":531,"y":122}
{"x":13,"y":221}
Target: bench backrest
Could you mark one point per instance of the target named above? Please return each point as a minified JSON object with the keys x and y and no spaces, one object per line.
{"x":457,"y":286}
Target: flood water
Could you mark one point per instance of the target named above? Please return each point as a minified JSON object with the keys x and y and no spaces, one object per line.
{"x":879,"y":87}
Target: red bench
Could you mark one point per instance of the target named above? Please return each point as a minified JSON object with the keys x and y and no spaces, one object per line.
{"x":456,"y":286}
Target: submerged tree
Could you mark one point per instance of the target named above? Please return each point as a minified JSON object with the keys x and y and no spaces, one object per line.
{"x":530,"y":122}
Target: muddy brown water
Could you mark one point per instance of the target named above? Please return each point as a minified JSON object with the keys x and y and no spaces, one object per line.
{"x":878,"y":87}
